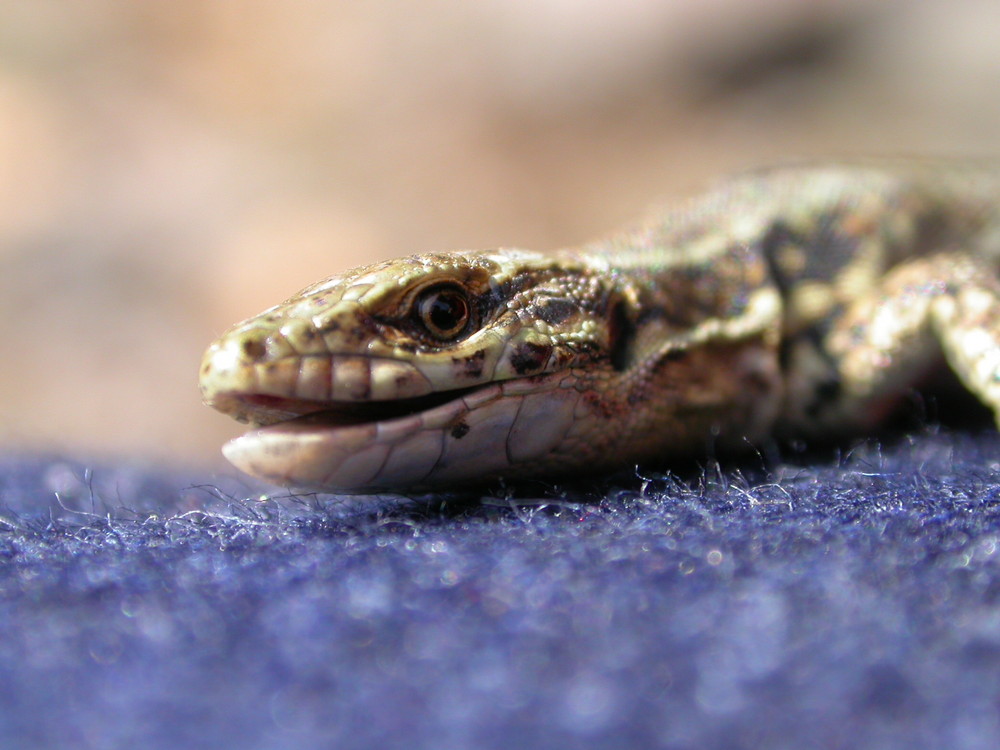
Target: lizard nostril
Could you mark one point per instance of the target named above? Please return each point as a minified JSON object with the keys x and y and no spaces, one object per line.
{"x":254,"y":348}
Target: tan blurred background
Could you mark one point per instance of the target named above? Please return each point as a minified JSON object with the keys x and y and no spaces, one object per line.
{"x":169,"y":168}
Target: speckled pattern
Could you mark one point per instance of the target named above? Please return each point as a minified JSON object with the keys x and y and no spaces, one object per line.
{"x":835,"y":603}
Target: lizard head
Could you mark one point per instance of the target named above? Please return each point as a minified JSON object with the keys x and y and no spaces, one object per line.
{"x":429,"y":369}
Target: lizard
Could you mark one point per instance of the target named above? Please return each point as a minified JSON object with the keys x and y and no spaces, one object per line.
{"x":792,"y":302}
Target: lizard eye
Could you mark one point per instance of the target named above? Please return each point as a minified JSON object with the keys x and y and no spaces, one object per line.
{"x":444,"y":312}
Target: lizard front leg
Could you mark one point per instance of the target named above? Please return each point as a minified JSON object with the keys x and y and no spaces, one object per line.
{"x":893,"y":337}
{"x":966,"y":321}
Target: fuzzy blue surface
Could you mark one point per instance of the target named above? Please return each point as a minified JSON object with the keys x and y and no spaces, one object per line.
{"x":838,"y":603}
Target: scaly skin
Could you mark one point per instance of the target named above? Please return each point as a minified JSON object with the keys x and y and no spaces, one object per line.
{"x":791,"y":302}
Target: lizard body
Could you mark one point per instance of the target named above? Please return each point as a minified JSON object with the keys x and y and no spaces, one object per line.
{"x":789,"y":302}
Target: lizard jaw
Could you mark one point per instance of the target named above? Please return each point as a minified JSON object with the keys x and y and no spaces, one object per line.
{"x":475,"y":434}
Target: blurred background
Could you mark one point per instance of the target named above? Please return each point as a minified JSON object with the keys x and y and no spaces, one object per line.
{"x":167,"y":169}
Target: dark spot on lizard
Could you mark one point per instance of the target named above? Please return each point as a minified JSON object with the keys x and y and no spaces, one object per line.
{"x":778,"y":236}
{"x":254,"y":349}
{"x":401,"y":380}
{"x":825,"y":248}
{"x":471,"y":366}
{"x":529,"y":357}
{"x":460,"y":430}
{"x":556,"y":311}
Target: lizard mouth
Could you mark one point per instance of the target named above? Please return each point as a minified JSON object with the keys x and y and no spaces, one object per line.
{"x":451,"y":436}
{"x":265,"y":410}
{"x":350,"y":446}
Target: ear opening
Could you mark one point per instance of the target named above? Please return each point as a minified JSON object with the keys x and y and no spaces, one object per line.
{"x":621,"y":335}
